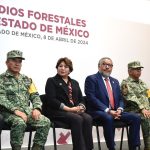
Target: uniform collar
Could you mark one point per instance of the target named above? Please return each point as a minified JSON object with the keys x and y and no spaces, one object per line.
{"x":132,"y":80}
{"x":9,"y":74}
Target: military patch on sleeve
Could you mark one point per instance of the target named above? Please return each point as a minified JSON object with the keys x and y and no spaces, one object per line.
{"x":124,"y":89}
{"x":148,"y":93}
{"x":32,"y":88}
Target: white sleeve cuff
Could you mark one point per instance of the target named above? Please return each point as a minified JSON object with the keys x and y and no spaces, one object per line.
{"x":107,"y":110}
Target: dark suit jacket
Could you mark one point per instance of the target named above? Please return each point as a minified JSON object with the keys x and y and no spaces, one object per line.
{"x":57,"y":92}
{"x":96,"y":92}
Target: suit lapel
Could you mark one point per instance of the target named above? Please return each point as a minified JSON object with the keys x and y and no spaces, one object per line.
{"x":112,"y":84}
{"x":73,"y":87}
{"x":65,"y":88}
{"x":61,"y":83}
{"x":102,"y":84}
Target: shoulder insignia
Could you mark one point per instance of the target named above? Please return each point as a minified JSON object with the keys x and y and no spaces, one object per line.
{"x":32,"y":88}
{"x":148,"y":93}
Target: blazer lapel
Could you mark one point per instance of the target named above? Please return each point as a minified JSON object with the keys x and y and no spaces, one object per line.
{"x":61,"y":83}
{"x":102,"y":84}
{"x":73,"y":87}
{"x":65,"y":88}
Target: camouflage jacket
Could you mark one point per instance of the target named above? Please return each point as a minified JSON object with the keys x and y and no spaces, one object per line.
{"x":135,"y":94}
{"x":16,"y":93}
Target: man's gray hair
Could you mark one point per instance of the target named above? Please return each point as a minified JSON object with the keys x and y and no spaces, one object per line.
{"x":102,"y":60}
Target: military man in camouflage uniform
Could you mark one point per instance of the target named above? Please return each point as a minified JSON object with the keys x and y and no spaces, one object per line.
{"x":136,"y":95}
{"x":16,"y":90}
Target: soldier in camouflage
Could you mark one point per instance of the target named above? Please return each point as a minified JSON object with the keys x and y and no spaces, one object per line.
{"x":16,"y":90}
{"x":136,"y":95}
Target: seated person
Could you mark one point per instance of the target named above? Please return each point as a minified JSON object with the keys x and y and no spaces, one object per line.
{"x":64,"y":99}
{"x":106,"y":104}
{"x":15,"y":92}
{"x":136,"y":95}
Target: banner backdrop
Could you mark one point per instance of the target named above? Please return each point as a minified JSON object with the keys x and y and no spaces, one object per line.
{"x":80,"y":30}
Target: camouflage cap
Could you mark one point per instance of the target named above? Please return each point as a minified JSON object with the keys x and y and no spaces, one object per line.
{"x":135,"y":64}
{"x":15,"y":54}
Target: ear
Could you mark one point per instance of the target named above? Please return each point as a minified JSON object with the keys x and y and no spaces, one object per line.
{"x":99,"y":67}
{"x":129,"y":70}
{"x":6,"y":62}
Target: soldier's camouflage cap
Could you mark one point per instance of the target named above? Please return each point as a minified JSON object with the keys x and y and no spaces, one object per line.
{"x":135,"y":64}
{"x":15,"y":54}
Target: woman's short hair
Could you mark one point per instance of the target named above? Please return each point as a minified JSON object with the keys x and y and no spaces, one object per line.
{"x":67,"y":61}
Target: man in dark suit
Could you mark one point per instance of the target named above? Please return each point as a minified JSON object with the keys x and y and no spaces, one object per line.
{"x":105,"y":103}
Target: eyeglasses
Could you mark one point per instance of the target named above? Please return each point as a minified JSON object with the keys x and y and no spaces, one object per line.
{"x":107,"y":65}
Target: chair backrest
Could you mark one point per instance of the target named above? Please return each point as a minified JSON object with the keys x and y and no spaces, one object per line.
{"x":44,"y":103}
{"x":56,"y":121}
{"x":86,"y":103}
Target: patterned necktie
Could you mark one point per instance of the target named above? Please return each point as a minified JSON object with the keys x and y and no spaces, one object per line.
{"x":110,"y":93}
